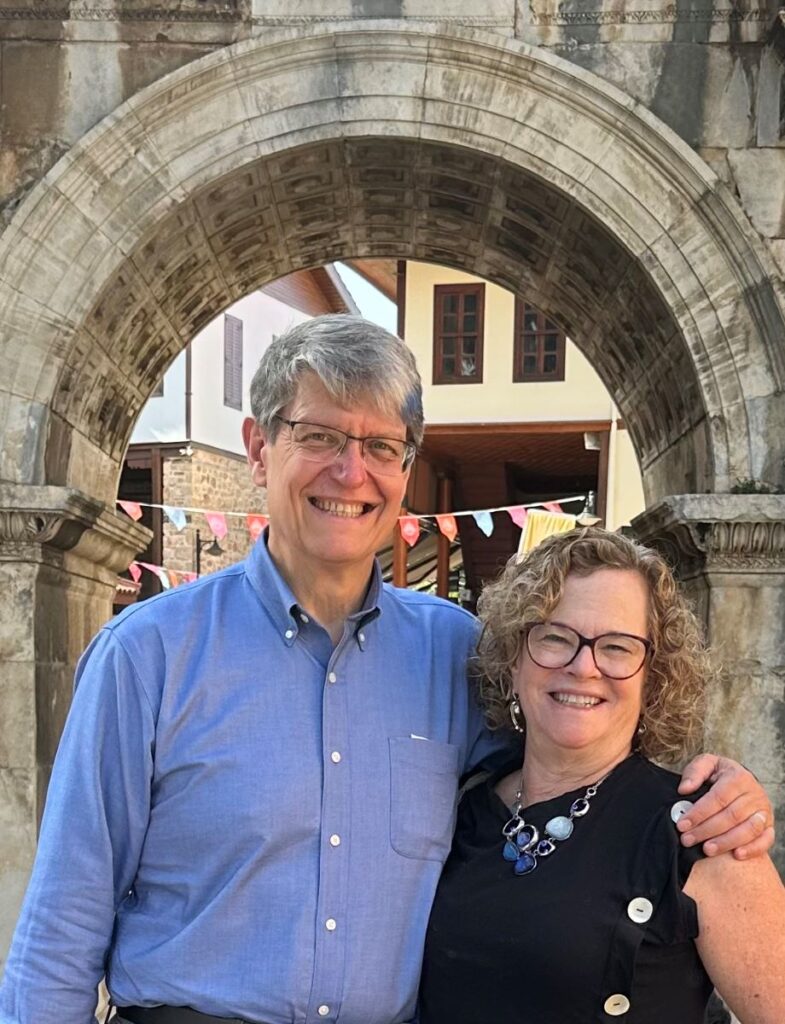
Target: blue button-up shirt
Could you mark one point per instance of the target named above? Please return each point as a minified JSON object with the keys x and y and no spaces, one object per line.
{"x":243,"y":818}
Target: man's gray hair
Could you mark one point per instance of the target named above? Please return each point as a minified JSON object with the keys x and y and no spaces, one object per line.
{"x":356,"y":361}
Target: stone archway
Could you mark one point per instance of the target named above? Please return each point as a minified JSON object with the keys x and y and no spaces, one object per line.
{"x":300,"y":148}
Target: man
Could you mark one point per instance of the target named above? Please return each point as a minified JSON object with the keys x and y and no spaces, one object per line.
{"x":254,"y":792}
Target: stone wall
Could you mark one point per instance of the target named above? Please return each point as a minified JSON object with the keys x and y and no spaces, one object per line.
{"x":711,"y":72}
{"x":215,"y":481}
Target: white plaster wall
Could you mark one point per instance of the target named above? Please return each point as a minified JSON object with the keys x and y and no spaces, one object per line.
{"x":212,"y":422}
{"x":581,"y":396}
{"x":163,"y":419}
{"x":625,"y":487}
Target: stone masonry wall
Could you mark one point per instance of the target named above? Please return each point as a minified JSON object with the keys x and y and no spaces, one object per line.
{"x":216,"y":482}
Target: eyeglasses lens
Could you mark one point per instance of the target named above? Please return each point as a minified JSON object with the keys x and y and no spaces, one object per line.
{"x":381,"y":454}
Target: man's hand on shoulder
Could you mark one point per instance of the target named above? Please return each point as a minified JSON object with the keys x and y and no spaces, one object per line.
{"x":736,"y":814}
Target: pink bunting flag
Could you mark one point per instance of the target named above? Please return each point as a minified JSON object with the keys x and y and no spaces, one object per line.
{"x":256,"y":525}
{"x":132,"y":509}
{"x":189,"y":577}
{"x":410,"y":529}
{"x":552,"y":506}
{"x":519,"y":515}
{"x":448,"y":526}
{"x":136,"y":571}
{"x":217,"y":523}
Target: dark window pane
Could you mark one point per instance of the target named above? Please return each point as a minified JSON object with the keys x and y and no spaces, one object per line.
{"x":470,"y":345}
{"x":551,"y":343}
{"x":530,"y":322}
{"x":468,"y":366}
{"x":550,"y":325}
{"x":450,"y":304}
{"x":470,"y":323}
{"x":549,"y":364}
{"x":450,"y":323}
{"x":448,"y":346}
{"x":529,"y":364}
{"x":470,"y":303}
{"x":529,"y":344}
{"x":448,"y":366}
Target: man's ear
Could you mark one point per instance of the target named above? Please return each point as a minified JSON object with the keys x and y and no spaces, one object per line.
{"x":255,"y":441}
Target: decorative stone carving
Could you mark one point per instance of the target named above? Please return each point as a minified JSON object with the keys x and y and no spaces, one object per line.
{"x":63,"y":521}
{"x":717,"y":532}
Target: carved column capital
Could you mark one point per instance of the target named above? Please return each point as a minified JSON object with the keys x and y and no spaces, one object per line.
{"x":742,"y":533}
{"x":62,"y":522}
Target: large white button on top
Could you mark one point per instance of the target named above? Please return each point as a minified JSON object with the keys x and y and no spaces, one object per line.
{"x":335,"y":840}
{"x":640,"y":910}
{"x":332,"y":678}
{"x":289,"y":634}
{"x":679,"y":809}
{"x":616,"y":1005}
{"x":330,"y":924}
{"x":323,"y":1010}
{"x":335,"y":757}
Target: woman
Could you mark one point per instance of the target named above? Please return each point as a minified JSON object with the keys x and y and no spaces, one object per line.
{"x":567,"y":896}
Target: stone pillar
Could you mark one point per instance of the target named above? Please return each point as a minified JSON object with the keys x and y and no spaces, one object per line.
{"x":59,"y":555}
{"x":729,"y":553}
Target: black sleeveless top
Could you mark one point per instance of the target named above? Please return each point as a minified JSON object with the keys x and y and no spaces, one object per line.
{"x":599,"y":930}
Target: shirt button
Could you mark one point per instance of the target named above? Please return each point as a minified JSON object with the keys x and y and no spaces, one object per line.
{"x":330,"y":924}
{"x":332,"y":678}
{"x":640,"y":910}
{"x":679,"y":809}
{"x":304,"y":618}
{"x":616,"y":1005}
{"x":289,"y":634}
{"x":361,"y":637}
{"x":323,"y":1011}
{"x":335,"y":840}
{"x":335,"y":757}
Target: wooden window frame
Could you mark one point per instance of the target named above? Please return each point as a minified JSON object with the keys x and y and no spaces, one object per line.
{"x":518,"y":374}
{"x":440,"y":290}
{"x":233,"y":362}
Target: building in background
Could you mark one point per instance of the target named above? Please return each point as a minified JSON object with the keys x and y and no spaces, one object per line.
{"x":186,"y":450}
{"x":515,"y":414}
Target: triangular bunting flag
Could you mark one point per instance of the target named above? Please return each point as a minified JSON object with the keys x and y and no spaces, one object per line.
{"x":448,"y":526}
{"x":217,"y":523}
{"x":176,"y":516}
{"x":174,"y":578}
{"x":189,"y":577}
{"x":135,"y":571}
{"x":132,"y":509}
{"x":552,"y":506}
{"x":519,"y":515}
{"x":256,"y":525}
{"x":485,"y":522}
{"x":410,"y":529}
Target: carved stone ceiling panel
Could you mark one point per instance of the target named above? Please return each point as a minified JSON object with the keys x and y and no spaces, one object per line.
{"x":384,"y":198}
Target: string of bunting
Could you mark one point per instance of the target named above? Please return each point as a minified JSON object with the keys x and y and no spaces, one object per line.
{"x":409,"y":525}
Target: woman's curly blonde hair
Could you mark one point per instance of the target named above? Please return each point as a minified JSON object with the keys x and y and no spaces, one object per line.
{"x":678,"y":669}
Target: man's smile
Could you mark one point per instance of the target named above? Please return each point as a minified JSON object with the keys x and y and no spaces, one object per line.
{"x":345,"y":509}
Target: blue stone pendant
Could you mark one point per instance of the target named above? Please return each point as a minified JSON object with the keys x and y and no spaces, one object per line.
{"x":527,"y":837}
{"x":525,"y":863}
{"x":511,"y":851}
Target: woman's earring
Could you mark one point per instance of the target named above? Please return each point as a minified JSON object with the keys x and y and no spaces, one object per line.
{"x":517,"y":715}
{"x":640,"y":732}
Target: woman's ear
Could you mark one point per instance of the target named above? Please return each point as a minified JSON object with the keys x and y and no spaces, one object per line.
{"x":255,"y":441}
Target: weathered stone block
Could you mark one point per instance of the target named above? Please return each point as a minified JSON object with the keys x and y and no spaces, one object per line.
{"x":18,"y":715}
{"x":760,"y":178}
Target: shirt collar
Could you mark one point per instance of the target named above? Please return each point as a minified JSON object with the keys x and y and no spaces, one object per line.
{"x":277,"y":597}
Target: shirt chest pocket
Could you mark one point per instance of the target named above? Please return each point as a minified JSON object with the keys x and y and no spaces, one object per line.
{"x":423,"y":791}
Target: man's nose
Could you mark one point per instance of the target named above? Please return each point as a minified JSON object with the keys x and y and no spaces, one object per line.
{"x":350,"y":465}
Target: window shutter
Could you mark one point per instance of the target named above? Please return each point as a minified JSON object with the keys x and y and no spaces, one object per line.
{"x":233,"y":362}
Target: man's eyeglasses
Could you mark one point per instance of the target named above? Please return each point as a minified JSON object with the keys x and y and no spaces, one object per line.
{"x":317,"y":443}
{"x":616,"y":655}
